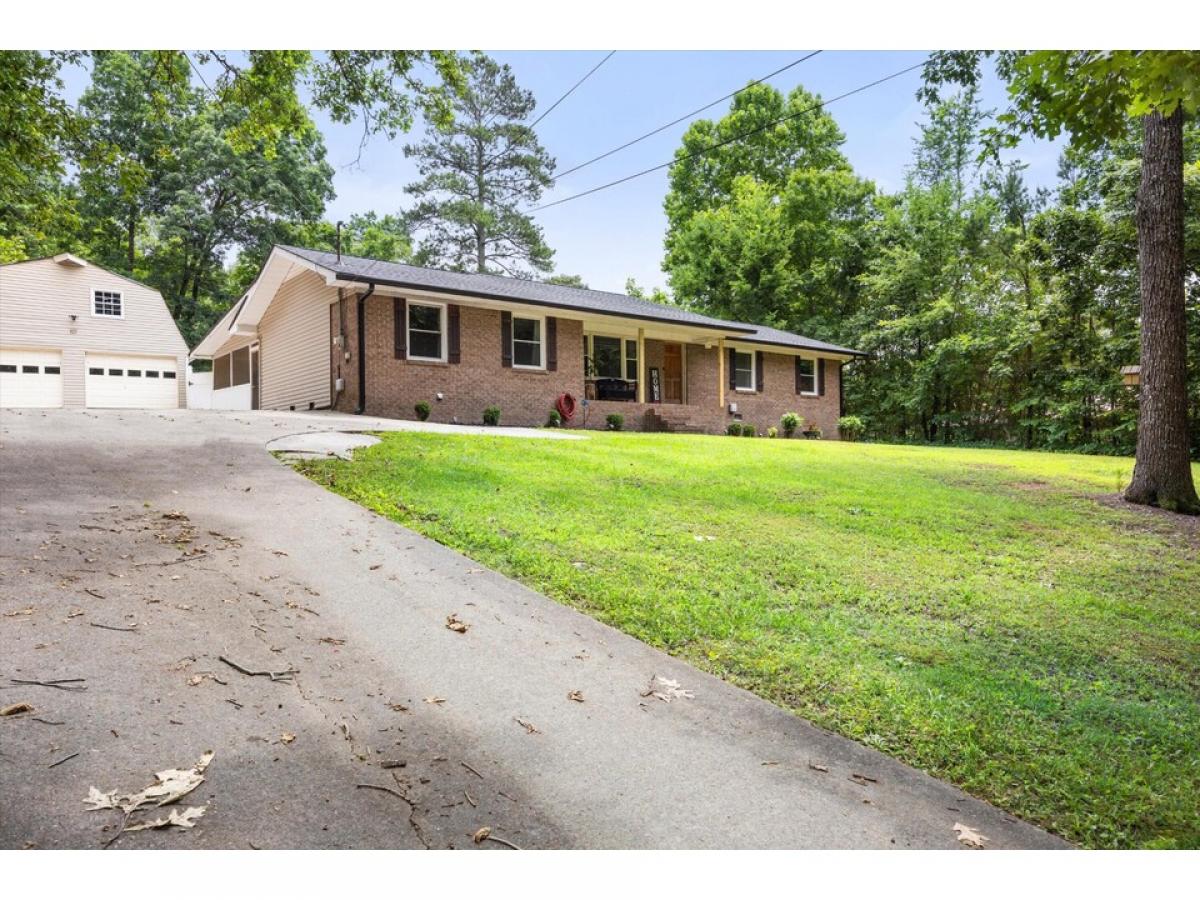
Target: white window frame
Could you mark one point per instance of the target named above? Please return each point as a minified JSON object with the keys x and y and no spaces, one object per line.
{"x":441,"y":308}
{"x":97,"y":315}
{"x":814,"y":391}
{"x":753,"y":373}
{"x":591,"y":354}
{"x":541,"y":364}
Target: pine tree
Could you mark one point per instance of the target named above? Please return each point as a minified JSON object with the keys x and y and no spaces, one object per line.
{"x":477,"y":172}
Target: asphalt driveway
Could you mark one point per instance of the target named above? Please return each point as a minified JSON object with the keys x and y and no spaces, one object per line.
{"x":138,"y":548}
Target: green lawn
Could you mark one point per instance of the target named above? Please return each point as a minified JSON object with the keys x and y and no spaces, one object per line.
{"x":975,"y":613}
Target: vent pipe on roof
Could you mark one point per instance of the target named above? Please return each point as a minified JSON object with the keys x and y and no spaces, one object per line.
{"x":338,"y":243}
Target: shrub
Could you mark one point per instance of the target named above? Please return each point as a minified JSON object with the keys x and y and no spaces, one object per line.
{"x":491,"y":415}
{"x":748,"y":430}
{"x":772,"y":431}
{"x":851,"y":428}
{"x":790,"y":422}
{"x":734,"y":429}
{"x":615,"y":421}
{"x":554,"y":419}
{"x":422,"y":409}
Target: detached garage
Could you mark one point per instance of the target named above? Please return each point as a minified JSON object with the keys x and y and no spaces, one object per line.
{"x":73,"y":334}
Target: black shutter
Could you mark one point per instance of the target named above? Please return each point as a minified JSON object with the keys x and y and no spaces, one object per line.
{"x":758,"y":370}
{"x":453,"y":341}
{"x":399,"y":328}
{"x":798,"y":388}
{"x":841,"y":390}
{"x":506,"y":339}
{"x":821,"y":377}
{"x":551,"y":344}
{"x":732,"y":368}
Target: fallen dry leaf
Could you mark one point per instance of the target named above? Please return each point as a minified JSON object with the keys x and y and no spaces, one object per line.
{"x":185,"y":819}
{"x":577,"y":696}
{"x":529,"y":727}
{"x":435,"y":699}
{"x":397,"y":707}
{"x":337,"y":642}
{"x":482,"y":834}
{"x":16,"y":709}
{"x":454,"y":623}
{"x":27,"y":611}
{"x":169,"y":786}
{"x":969,"y":836}
{"x":287,"y":737}
{"x":666,"y":690}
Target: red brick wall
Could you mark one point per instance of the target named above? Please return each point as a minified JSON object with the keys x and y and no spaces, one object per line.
{"x":525,"y":397}
{"x":395,"y":386}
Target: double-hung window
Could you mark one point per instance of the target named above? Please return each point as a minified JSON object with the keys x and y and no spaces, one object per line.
{"x":631,"y":361}
{"x":107,"y":303}
{"x":426,"y":332}
{"x":806,"y":375}
{"x":743,"y":371}
{"x":528,"y":348}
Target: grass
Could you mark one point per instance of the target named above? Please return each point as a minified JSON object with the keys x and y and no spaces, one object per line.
{"x":975,"y":613}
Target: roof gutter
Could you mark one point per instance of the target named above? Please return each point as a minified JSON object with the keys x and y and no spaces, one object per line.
{"x":361,"y":350}
{"x":351,"y":278}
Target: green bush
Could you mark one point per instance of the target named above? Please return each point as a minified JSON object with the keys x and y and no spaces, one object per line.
{"x":491,"y":415}
{"x":851,"y":428}
{"x":615,"y":421}
{"x":772,"y":432}
{"x":554,"y":419}
{"x":422,"y":409}
{"x":791,"y":422}
{"x":734,"y":429}
{"x":748,"y":430}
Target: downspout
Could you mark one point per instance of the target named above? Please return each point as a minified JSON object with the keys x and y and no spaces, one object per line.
{"x":362,"y":356}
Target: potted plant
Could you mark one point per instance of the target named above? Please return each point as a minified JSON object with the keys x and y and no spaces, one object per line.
{"x":790,"y":422}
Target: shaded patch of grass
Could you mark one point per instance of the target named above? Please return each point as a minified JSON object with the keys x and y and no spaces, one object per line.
{"x":975,"y":613}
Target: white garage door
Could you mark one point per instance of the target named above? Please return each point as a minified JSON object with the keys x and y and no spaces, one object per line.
{"x":30,"y":378}
{"x":131,"y":382}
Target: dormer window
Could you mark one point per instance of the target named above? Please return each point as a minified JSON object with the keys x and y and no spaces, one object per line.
{"x":107,"y":303}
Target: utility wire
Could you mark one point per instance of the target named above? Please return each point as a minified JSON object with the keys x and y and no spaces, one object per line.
{"x":683,"y":118}
{"x":550,"y":109}
{"x":729,"y":140}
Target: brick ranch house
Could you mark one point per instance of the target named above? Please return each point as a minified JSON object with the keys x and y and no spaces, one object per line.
{"x":463,"y":342}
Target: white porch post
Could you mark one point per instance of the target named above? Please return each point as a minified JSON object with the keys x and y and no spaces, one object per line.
{"x":721,"y":372}
{"x":641,"y":361}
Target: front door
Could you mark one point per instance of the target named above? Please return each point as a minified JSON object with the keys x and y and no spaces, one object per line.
{"x":672,"y":373}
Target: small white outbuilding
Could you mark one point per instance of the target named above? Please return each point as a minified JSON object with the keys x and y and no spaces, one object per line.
{"x":74,"y":334}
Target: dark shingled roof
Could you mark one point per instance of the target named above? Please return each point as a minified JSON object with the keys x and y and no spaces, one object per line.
{"x":539,"y":293}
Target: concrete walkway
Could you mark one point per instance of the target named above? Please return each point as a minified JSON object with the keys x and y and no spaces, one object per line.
{"x":535,"y":721}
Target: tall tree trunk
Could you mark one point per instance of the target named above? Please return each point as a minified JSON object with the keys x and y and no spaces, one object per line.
{"x":130,"y":235}
{"x":1162,"y":474}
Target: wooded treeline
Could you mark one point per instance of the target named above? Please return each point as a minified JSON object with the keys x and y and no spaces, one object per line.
{"x":993,"y":313}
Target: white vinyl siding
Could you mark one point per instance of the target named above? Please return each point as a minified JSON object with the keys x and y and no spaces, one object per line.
{"x":49,"y":306}
{"x":294,"y":343}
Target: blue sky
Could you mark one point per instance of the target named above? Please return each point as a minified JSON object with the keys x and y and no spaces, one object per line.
{"x":617,"y":233}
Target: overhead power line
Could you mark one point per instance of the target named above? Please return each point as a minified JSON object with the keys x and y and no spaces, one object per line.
{"x":729,"y":140}
{"x":685,"y":117}
{"x":550,"y":109}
